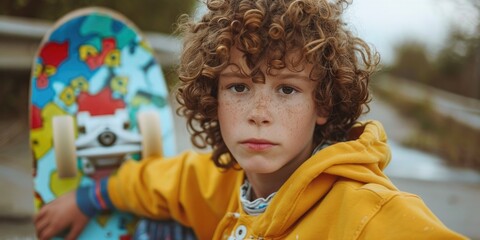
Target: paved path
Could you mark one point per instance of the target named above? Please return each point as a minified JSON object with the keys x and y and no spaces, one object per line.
{"x":452,"y":194}
{"x":16,"y":186}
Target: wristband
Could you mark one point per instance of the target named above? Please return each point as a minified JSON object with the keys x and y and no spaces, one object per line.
{"x":94,"y":198}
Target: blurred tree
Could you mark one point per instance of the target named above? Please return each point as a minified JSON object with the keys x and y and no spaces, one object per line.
{"x":411,"y":61}
{"x":451,"y":58}
{"x":148,"y":15}
{"x":457,"y":64}
{"x":456,"y":67}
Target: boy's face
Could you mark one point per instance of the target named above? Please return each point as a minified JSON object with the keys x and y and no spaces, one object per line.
{"x":267,"y":126}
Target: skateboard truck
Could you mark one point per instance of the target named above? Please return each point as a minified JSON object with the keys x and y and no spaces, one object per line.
{"x":104,"y":141}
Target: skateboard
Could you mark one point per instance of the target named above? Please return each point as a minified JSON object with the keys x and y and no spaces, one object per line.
{"x":97,"y":97}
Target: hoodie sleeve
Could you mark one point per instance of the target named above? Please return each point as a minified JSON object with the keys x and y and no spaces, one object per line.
{"x":405,"y":216}
{"x":188,"y":188}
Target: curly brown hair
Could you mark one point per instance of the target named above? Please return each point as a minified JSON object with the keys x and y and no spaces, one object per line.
{"x":265,"y":30}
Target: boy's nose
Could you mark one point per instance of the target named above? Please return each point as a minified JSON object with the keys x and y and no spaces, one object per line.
{"x":260,"y":113}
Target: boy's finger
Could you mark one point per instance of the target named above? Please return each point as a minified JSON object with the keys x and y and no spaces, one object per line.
{"x":39,"y":215}
{"x":45,"y":233}
{"x":74,"y":231}
{"x":40,"y":226}
{"x":41,"y":223}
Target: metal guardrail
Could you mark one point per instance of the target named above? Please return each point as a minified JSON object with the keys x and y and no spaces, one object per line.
{"x":20,"y":37}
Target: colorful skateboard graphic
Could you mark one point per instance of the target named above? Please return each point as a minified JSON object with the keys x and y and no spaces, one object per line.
{"x":95,"y":67}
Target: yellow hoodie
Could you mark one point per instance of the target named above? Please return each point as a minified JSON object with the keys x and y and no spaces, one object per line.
{"x":339,"y":193}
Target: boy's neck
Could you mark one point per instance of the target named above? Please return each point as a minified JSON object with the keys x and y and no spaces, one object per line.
{"x":264,"y":184}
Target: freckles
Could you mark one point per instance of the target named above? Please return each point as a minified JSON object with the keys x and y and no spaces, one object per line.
{"x":291,"y":118}
{"x":238,"y":106}
{"x":294,"y":117}
{"x":233,"y":108}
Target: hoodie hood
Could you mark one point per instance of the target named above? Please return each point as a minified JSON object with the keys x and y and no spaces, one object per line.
{"x":360,"y":159}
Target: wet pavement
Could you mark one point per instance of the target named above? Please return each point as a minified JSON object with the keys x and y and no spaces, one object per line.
{"x":16,"y":183}
{"x":453,"y":194}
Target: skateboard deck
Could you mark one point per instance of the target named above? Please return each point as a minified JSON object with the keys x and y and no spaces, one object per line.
{"x":93,"y":74}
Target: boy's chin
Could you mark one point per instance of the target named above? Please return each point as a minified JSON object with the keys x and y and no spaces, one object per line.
{"x":257,"y":166}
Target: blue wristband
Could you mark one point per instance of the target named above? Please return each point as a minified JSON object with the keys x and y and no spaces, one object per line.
{"x":94,"y":198}
{"x":83,"y":201}
{"x":104,"y":194}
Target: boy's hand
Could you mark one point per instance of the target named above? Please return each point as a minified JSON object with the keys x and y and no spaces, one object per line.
{"x":59,"y":215}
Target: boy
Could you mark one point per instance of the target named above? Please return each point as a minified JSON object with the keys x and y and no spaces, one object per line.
{"x":275,"y":89}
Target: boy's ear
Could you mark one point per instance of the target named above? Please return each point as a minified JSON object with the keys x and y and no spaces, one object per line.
{"x":322,"y":117}
{"x":321,"y":120}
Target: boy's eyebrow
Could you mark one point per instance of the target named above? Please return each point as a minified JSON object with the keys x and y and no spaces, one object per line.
{"x":232,"y":74}
{"x":292,"y":75}
{"x":280,"y":75}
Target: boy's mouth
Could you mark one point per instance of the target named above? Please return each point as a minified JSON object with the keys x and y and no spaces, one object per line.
{"x":255,"y":144}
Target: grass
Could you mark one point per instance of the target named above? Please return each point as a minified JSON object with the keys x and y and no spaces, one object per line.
{"x":435,"y":133}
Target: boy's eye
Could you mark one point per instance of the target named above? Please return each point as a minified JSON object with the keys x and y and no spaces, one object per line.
{"x":239,"y":88}
{"x":287,"y":90}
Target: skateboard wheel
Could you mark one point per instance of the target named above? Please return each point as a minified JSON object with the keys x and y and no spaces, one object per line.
{"x":149,"y":124}
{"x":64,"y":145}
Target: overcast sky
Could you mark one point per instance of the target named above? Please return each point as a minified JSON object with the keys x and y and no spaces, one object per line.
{"x":385,"y":23}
